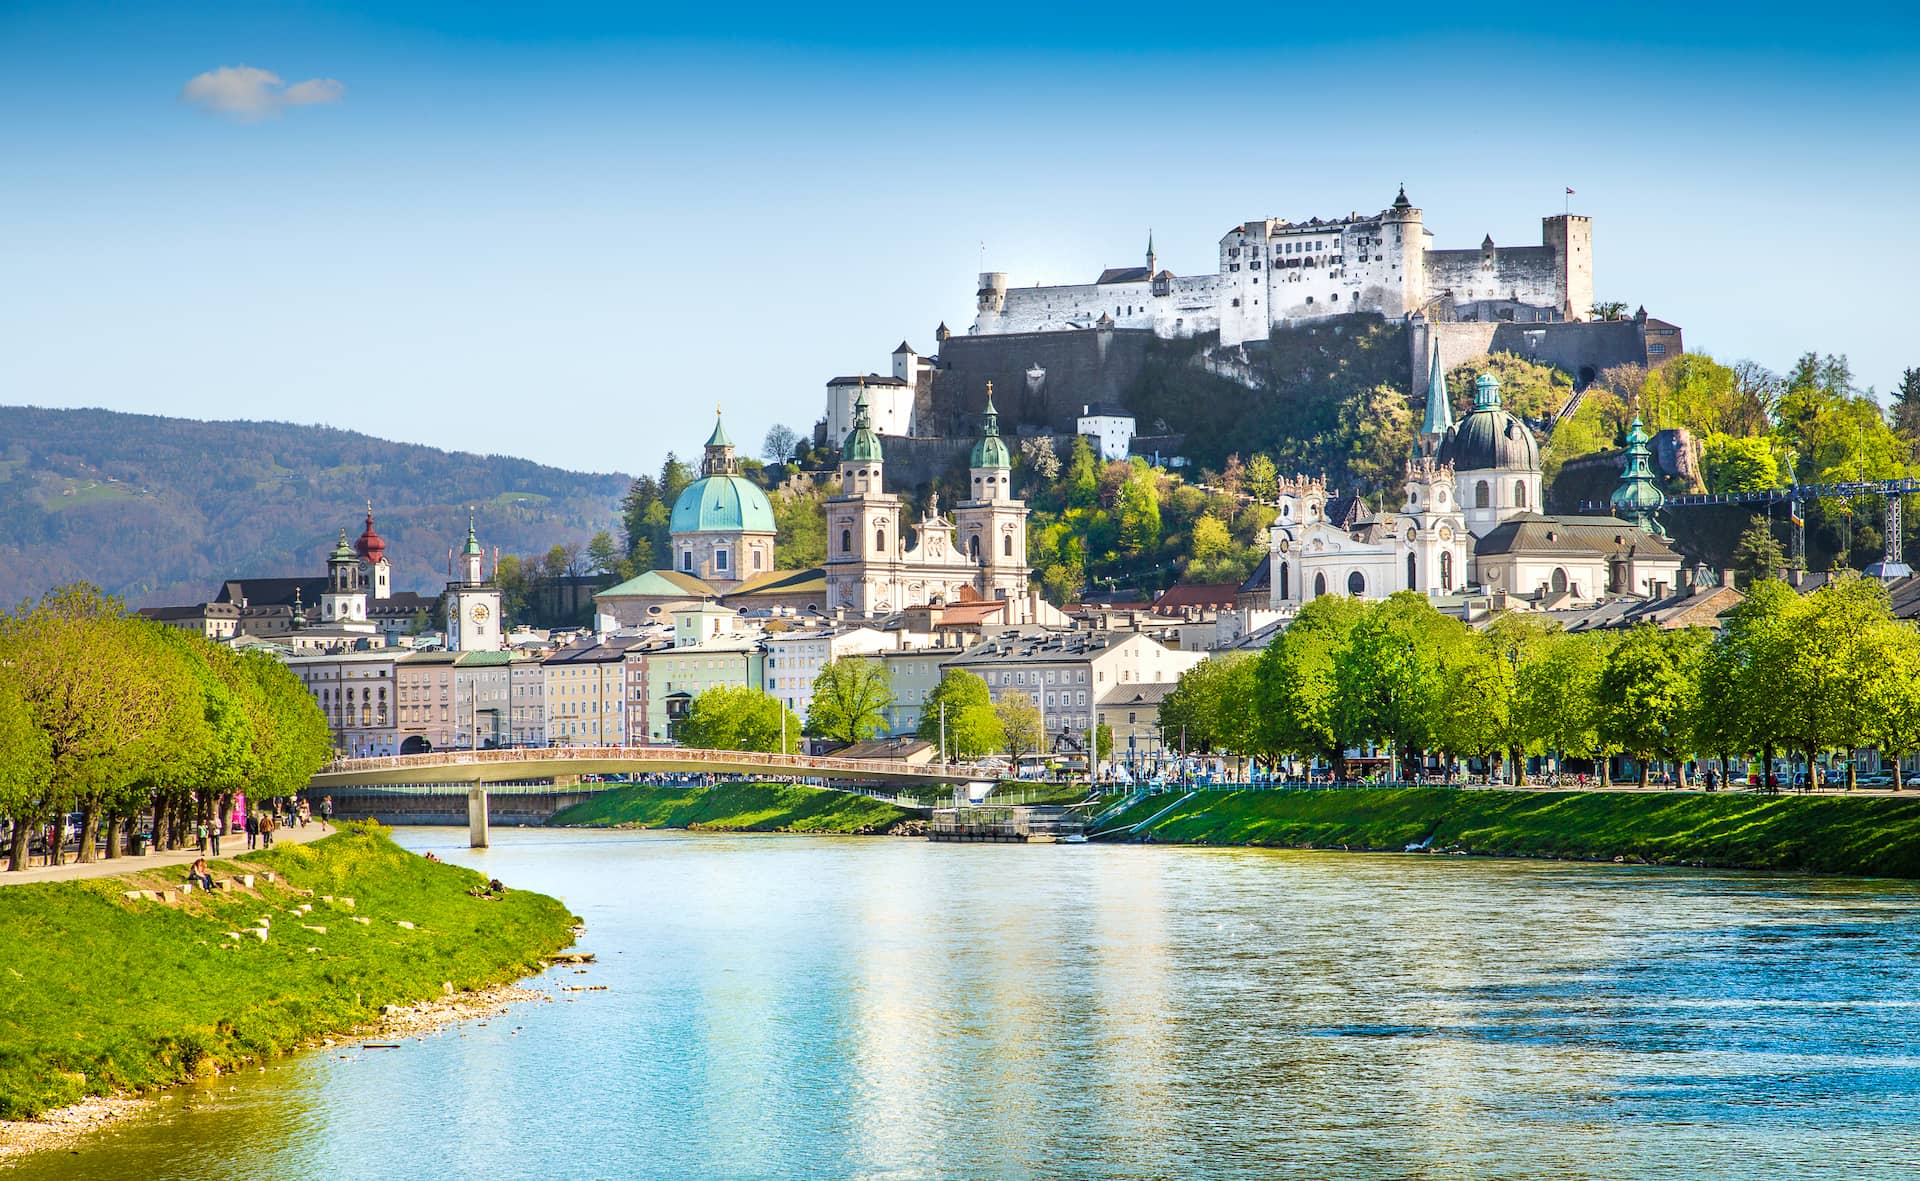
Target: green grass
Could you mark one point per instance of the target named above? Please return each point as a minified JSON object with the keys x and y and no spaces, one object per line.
{"x":1878,"y":835}
{"x":100,"y":994}
{"x":737,"y":807}
{"x":84,"y":493}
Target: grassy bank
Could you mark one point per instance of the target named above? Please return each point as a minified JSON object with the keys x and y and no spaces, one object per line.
{"x":1874,"y":835}
{"x":737,"y":807}
{"x":106,"y":994}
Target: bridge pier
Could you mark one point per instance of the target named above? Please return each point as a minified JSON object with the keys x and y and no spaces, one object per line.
{"x":477,"y":816}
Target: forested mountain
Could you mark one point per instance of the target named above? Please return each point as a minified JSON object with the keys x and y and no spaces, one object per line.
{"x":160,"y":510}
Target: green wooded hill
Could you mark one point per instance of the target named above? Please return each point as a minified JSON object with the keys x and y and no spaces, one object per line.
{"x":160,"y":510}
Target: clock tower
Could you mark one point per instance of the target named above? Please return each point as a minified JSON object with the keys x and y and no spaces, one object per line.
{"x":473,"y":603}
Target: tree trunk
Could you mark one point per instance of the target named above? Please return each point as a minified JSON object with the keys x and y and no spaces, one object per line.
{"x":113,"y":835}
{"x":89,"y":821}
{"x":1644,"y":770}
{"x":225,"y":819}
{"x":1853,"y":762}
{"x":1680,"y":772}
{"x":1810,"y":771}
{"x":1766,"y":769}
{"x":1603,"y":766}
{"x":17,"y":849}
{"x":1519,"y":767}
{"x":1725,"y":766}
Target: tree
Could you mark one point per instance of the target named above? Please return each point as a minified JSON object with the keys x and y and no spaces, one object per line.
{"x":1019,"y":725}
{"x":26,"y":757}
{"x":1557,"y":696}
{"x":1739,"y":464}
{"x":1650,"y":686}
{"x":1529,"y":390}
{"x":801,"y":522}
{"x":1906,"y":412}
{"x":1296,"y":682}
{"x":1610,"y":310}
{"x":778,"y":447}
{"x":1893,"y":707}
{"x":736,"y":717}
{"x":1757,"y":554}
{"x":604,"y":557}
{"x":1210,"y":542}
{"x":1139,"y":506}
{"x":972,"y":727}
{"x":1831,"y":667}
{"x":1212,"y":708}
{"x":1263,"y":479}
{"x":1040,"y":458}
{"x":850,"y":700}
{"x":1083,"y":475}
{"x":1374,"y":435}
{"x":1391,"y":671}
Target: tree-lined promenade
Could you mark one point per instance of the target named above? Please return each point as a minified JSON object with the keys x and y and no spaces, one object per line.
{"x":113,"y":716}
{"x":1786,"y":674}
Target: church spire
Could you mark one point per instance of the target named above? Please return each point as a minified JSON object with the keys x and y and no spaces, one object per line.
{"x":719,"y":456}
{"x":1439,"y":409}
{"x":1152,"y":263}
{"x":1638,"y":497}
{"x":990,"y":451}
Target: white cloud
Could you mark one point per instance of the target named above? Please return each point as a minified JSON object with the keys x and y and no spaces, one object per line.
{"x":249,"y":94}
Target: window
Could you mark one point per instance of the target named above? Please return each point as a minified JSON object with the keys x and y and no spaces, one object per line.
{"x":1283,"y":580}
{"x":880,"y":540}
{"x":1356,"y":585}
{"x":1656,"y":350}
{"x":1520,"y":493}
{"x":1446,"y":570}
{"x":1006,"y":546}
{"x":1481,"y":494}
{"x":1559,"y":580}
{"x":1412,"y":583}
{"x":719,"y":559}
{"x":1309,"y":299}
{"x":973,"y":547}
{"x":686,"y":559}
{"x":757,"y":556}
{"x":846,"y":541}
{"x":1336,"y":297}
{"x":1319,"y":584}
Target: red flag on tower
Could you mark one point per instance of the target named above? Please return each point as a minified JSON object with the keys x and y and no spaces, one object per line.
{"x":1569,"y":192}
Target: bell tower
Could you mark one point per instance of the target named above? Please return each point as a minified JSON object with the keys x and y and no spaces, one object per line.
{"x":864,"y":546}
{"x":345,"y":600}
{"x":992,"y":524}
{"x":473,"y":603}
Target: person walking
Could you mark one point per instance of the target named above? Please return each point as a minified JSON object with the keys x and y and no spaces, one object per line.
{"x":306,"y":812}
{"x":267,"y":822}
{"x":213,"y":836}
{"x":326,"y":813}
{"x":200,"y":836}
{"x":253,"y":829}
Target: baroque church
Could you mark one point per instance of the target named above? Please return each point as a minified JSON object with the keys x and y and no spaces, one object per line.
{"x":1470,"y":517}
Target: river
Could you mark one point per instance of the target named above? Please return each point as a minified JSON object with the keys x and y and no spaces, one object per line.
{"x":886,"y":1008}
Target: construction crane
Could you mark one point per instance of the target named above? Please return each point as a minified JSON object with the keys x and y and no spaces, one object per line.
{"x":1891,"y":564}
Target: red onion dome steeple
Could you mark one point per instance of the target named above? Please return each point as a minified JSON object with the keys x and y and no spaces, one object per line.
{"x":370,"y":546}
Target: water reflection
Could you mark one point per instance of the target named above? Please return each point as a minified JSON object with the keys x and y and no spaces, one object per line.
{"x":859,"y":1008}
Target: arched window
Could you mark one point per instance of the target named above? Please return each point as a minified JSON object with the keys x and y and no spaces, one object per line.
{"x":973,"y":547}
{"x":1356,"y":585}
{"x":1283,"y":580}
{"x":1559,"y":579}
{"x":846,"y":541}
{"x":1446,"y":569}
{"x":1006,"y":546}
{"x":1520,"y":493}
{"x":1481,"y":494}
{"x":880,"y":540}
{"x":1319,"y":585}
{"x":1413,"y":581}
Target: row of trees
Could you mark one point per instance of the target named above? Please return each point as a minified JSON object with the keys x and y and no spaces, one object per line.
{"x":851,"y":701}
{"x":108,"y":715}
{"x":1786,"y":673}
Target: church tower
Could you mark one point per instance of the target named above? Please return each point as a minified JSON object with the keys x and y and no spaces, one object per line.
{"x":345,"y":600}
{"x":375,"y":568}
{"x":473,"y":603}
{"x":863,"y":525}
{"x":992,"y":524}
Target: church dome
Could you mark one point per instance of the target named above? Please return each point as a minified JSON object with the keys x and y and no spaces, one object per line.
{"x":722,"y":504}
{"x":991,"y":450}
{"x":370,"y":546}
{"x":1490,"y":437}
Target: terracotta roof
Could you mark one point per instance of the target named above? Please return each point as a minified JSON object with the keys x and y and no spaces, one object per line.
{"x":1210,"y":595}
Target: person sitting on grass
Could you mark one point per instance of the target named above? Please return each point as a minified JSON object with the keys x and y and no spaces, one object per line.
{"x":199,"y":876}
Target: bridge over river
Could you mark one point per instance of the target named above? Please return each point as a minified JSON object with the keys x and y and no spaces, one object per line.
{"x":551,"y":775}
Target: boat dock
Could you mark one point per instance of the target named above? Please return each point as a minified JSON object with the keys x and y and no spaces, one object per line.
{"x":1020,"y":824}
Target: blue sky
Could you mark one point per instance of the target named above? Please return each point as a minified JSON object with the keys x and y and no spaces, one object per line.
{"x":567,"y":234}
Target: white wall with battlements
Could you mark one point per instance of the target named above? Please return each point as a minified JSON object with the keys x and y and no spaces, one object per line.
{"x":1272,"y":272}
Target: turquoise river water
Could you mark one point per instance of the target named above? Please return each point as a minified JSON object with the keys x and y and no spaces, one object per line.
{"x":885,"y":1008}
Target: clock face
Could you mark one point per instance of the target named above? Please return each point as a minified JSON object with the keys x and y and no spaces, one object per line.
{"x":479,"y":613}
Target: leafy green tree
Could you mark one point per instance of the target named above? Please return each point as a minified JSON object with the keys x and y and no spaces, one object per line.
{"x":850,"y":700}
{"x":26,"y":757}
{"x":1650,"y":687}
{"x":1906,"y":412}
{"x":1893,"y":706}
{"x":1139,"y":507}
{"x":1019,"y":724}
{"x":1527,"y":389}
{"x":605,"y":557}
{"x":801,"y":521}
{"x":1374,"y":435}
{"x":1757,"y":553}
{"x":1474,"y":707}
{"x":972,"y":727}
{"x":1831,"y":668}
{"x":1557,"y":696}
{"x":1297,"y":685}
{"x":1083,"y":475}
{"x":737,"y":717}
{"x":1262,"y":479}
{"x":1392,"y":669}
{"x":1739,"y":464}
{"x":1211,"y":708}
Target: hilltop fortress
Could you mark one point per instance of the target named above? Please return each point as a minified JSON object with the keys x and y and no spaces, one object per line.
{"x":1274,"y":272}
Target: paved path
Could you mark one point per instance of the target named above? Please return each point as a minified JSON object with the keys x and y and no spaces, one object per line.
{"x":230,"y":846}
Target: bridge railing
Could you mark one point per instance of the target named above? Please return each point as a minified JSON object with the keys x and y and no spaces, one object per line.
{"x":802,"y":764}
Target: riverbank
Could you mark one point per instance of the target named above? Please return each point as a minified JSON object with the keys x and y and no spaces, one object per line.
{"x":1876,"y":836}
{"x":109,"y":996}
{"x":741,"y":807}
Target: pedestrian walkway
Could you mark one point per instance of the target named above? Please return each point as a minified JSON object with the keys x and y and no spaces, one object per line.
{"x":231,"y":845}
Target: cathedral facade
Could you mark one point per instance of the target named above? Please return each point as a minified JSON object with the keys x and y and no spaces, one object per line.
{"x":980,"y":551}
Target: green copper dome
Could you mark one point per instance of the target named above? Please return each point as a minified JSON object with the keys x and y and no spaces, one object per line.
{"x":861,"y":445}
{"x":719,"y":436}
{"x":343,"y":552}
{"x":473,"y":543}
{"x":722,"y":504}
{"x":990,"y":451}
{"x":1638,"y":495}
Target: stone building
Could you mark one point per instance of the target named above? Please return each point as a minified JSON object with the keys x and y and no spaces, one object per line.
{"x":722,"y":524}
